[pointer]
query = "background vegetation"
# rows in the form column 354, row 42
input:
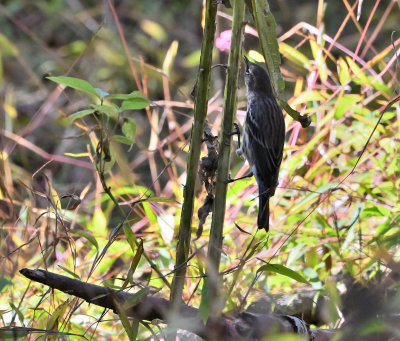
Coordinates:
column 329, row 222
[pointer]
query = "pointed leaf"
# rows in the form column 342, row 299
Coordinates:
column 136, row 298
column 134, row 95
column 73, row 274
column 80, row 114
column 76, row 83
column 108, row 110
column 135, row 103
column 88, row 236
column 129, row 128
column 122, row 139
column 283, row 270
column 57, row 315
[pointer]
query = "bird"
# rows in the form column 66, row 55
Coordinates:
column 263, row 136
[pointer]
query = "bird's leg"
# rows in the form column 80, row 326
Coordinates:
column 248, row 175
column 236, row 131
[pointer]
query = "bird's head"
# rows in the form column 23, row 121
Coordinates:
column 257, row 79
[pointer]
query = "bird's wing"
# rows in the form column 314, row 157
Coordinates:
column 266, row 130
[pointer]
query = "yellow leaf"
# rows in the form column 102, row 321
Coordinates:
column 294, row 55
column 257, row 56
column 344, row 73
column 56, row 316
column 307, row 96
column 170, row 57
column 153, row 29
column 358, row 73
column 99, row 223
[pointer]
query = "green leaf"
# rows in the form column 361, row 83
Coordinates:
column 75, row 83
column 134, row 95
column 73, row 274
column 344, row 73
column 359, row 76
column 283, row 270
column 382, row 87
column 80, row 114
column 192, row 59
column 295, row 56
column 108, row 110
column 7, row 48
column 346, row 103
column 153, row 29
column 86, row 235
column 124, row 320
column 350, row 236
column 130, row 237
column 135, row 261
column 161, row 199
column 205, row 304
column 136, row 298
column 135, row 103
column 135, row 328
column 19, row 313
column 149, row 212
column 3, row 283
column 376, row 211
column 99, row 223
column 122, row 139
column 129, row 128
column 308, row 96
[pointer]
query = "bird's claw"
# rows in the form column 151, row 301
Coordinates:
column 229, row 180
column 236, row 131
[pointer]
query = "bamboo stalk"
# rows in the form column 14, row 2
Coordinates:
column 200, row 113
column 210, row 303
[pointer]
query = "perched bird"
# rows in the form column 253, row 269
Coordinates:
column 263, row 136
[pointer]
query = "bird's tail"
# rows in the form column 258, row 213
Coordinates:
column 263, row 212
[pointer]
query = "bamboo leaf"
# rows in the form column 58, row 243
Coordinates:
column 73, row 274
column 87, row 236
column 283, row 270
column 56, row 316
column 135, row 260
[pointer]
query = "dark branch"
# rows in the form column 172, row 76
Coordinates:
column 246, row 325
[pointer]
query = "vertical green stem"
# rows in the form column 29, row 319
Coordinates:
column 200, row 113
column 210, row 301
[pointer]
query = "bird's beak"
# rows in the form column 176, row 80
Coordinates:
column 247, row 63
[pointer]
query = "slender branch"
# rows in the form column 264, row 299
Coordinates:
column 200, row 113
column 210, row 303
